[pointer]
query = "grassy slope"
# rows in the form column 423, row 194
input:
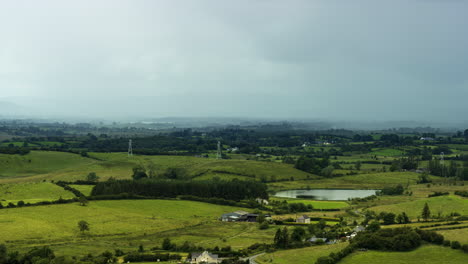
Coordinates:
column 40, row 165
column 316, row 204
column 298, row 256
column 360, row 181
column 39, row 162
column 460, row 235
column 125, row 224
column 425, row 254
column 32, row 192
column 442, row 204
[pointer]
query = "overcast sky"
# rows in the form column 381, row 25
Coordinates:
column 361, row 60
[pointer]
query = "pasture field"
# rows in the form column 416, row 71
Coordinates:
column 300, row 256
column 441, row 204
column 359, row 181
column 125, row 224
column 35, row 163
column 460, row 235
column 387, row 152
column 427, row 254
column 50, row 165
column 314, row 203
column 32, row 192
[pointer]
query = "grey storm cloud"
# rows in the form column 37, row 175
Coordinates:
column 359, row 60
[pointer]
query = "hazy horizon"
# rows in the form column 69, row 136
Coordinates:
column 372, row 61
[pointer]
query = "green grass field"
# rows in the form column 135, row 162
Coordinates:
column 40, row 162
column 460, row 235
column 389, row 152
column 299, row 256
column 32, row 192
column 359, row 181
column 425, row 254
column 441, row 204
column 316, row 204
column 39, row 165
column 125, row 224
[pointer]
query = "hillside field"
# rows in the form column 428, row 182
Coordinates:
column 428, row 254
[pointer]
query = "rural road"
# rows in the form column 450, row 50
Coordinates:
column 252, row 258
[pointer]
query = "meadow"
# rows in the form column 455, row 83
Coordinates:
column 32, row 192
column 39, row 165
column 125, row 224
column 428, row 254
column 438, row 205
column 299, row 256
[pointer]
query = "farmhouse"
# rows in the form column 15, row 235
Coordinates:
column 303, row 219
column 262, row 201
column 241, row 216
column 204, row 257
column 232, row 217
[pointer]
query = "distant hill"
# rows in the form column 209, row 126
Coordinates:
column 11, row 109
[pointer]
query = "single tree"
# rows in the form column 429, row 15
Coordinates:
column 426, row 212
column 374, row 226
column 83, row 201
column 358, row 165
column 166, row 244
column 92, row 177
column 83, row 226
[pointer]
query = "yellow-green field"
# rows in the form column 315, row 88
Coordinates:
column 316, row 204
column 125, row 224
column 299, row 256
column 425, row 254
column 32, row 192
column 460, row 235
column 39, row 165
column 441, row 204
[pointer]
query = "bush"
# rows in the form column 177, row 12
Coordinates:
column 465, row 248
column 455, row 245
column 446, row 243
column 263, row 225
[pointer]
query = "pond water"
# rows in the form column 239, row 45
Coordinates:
column 326, row 194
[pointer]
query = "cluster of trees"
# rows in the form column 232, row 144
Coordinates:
column 313, row 165
column 462, row 193
column 45, row 255
column 408, row 163
column 452, row 170
column 14, row 150
column 149, row 171
column 283, row 207
column 230, row 190
column 394, row 239
column 392, row 190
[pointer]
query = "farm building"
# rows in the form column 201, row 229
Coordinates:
column 303, row 219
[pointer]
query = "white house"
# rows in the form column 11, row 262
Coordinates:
column 303, row 219
column 204, row 257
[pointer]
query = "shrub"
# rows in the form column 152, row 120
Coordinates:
column 465, row 248
column 446, row 243
column 455, row 245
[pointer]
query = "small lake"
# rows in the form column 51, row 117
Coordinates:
column 326, row 194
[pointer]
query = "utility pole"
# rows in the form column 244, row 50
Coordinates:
column 218, row 154
column 130, row 149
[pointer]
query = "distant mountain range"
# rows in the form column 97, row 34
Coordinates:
column 9, row 109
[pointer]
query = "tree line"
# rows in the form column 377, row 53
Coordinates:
column 230, row 190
